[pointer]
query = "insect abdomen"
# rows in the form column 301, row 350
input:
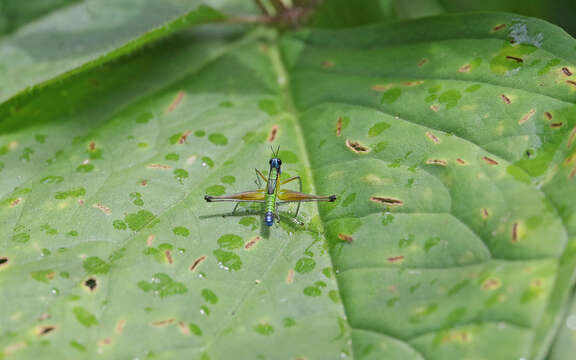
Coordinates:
column 269, row 218
column 270, row 207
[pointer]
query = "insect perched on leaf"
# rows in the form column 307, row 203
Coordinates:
column 272, row 195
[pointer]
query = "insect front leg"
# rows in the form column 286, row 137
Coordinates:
column 259, row 176
column 300, row 190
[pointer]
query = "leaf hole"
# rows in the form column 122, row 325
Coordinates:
column 357, row 147
column 514, row 58
column 489, row 161
column 91, row 284
column 387, row 201
column 45, row 330
column 197, row 262
column 436, row 162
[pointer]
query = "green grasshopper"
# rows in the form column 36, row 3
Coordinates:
column 272, row 195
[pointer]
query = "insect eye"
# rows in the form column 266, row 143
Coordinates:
column 279, row 162
column 270, row 161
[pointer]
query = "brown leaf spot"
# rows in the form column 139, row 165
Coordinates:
column 91, row 284
column 527, row 116
column 45, row 330
column 12, row 348
column 290, row 277
column 357, row 147
column 536, row 284
column 15, row 202
column 273, row 133
column 176, row 101
column 105, row 341
column 257, row 281
column 422, row 62
column 345, row 237
column 436, row 162
column 161, row 323
column 381, row 87
column 184, row 136
column 184, row 329
column 168, row 255
column 92, row 146
column 566, row 71
column 413, row 83
column 396, row 259
column 81, row 201
column 49, row 275
column 570, row 159
column 339, row 126
column 392, row 288
column 456, row 336
column 105, row 209
column 327, row 64
column 461, row 161
column 498, row 27
column 485, row 213
column 548, row 115
column 491, row 284
column 197, row 262
column 119, row 328
column 159, row 166
column 44, row 316
column 150, row 239
column 505, row 98
column 434, row 108
column 144, row 182
column 514, row 58
column 571, row 82
column 572, row 173
column 465, row 68
column 556, row 125
column 433, row 137
column 489, row 161
column 387, row 201
column 571, row 137
column 252, row 242
column 515, row 232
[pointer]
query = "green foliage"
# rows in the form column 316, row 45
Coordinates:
column 450, row 142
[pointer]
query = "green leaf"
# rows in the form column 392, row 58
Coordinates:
column 94, row 33
column 448, row 239
column 564, row 344
column 343, row 13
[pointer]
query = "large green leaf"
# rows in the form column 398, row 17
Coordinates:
column 86, row 35
column 451, row 151
column 565, row 343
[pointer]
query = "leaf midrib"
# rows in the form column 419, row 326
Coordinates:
column 279, row 67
